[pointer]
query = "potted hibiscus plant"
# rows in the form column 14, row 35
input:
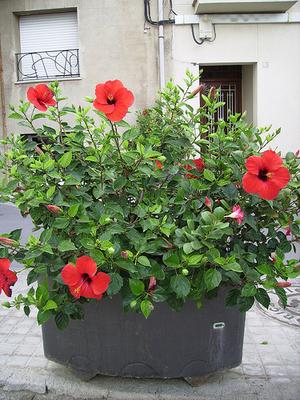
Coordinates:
column 180, row 211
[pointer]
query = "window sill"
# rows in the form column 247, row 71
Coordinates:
column 77, row 78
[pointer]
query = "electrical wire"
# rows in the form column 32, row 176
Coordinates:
column 148, row 18
column 171, row 8
column 201, row 41
column 194, row 36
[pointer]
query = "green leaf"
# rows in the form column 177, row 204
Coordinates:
column 66, row 245
column 195, row 259
column 282, row 296
column 262, row 297
column 232, row 298
column 265, row 269
column 209, row 175
column 50, row 192
column 143, row 260
column 171, row 260
column 146, row 308
column 97, row 256
column 88, row 242
column 127, row 265
column 245, row 303
column 50, row 305
column 212, row 278
column 43, row 316
column 15, row 115
column 180, row 285
column 188, row 248
column 248, row 290
column 207, row 217
column 66, row 159
column 137, row 287
column 73, row 210
column 61, row 320
column 116, row 283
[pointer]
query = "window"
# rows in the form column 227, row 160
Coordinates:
column 49, row 46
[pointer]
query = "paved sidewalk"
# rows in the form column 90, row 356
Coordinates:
column 270, row 368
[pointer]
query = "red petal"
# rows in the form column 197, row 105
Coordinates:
column 251, row 183
column 4, row 264
column 86, row 265
column 51, row 102
column 105, row 108
column 101, row 96
column 118, row 114
column 43, row 92
column 100, row 283
column 70, row 275
column 254, row 164
column 268, row 190
column 271, row 160
column 199, row 163
column 31, row 94
column 11, row 277
column 111, row 87
column 281, row 177
column 124, row 96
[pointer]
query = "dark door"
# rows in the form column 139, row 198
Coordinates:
column 228, row 79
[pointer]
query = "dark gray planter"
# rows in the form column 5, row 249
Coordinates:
column 169, row 344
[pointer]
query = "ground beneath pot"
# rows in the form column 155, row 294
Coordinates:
column 270, row 368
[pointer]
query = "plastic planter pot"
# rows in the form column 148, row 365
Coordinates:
column 169, row 344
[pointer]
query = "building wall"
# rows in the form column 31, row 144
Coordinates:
column 271, row 75
column 112, row 45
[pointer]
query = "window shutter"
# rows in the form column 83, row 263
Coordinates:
column 44, row 32
column 46, row 35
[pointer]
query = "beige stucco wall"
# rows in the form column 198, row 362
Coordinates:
column 272, row 50
column 112, row 45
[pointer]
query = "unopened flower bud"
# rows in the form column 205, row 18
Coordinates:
column 152, row 283
column 38, row 150
column 7, row 242
column 208, row 202
column 124, row 254
column 297, row 153
column 53, row 209
column 185, row 271
column 212, row 93
column 283, row 284
column 199, row 89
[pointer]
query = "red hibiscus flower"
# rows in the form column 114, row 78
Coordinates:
column 266, row 176
column 84, row 280
column 113, row 99
column 7, row 277
column 41, row 97
column 199, row 166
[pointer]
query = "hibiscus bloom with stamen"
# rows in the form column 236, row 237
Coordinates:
column 41, row 96
column 266, row 175
column 113, row 99
column 83, row 279
column 7, row 277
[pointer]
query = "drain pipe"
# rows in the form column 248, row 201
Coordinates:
column 161, row 44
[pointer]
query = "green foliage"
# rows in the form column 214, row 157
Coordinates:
column 137, row 220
